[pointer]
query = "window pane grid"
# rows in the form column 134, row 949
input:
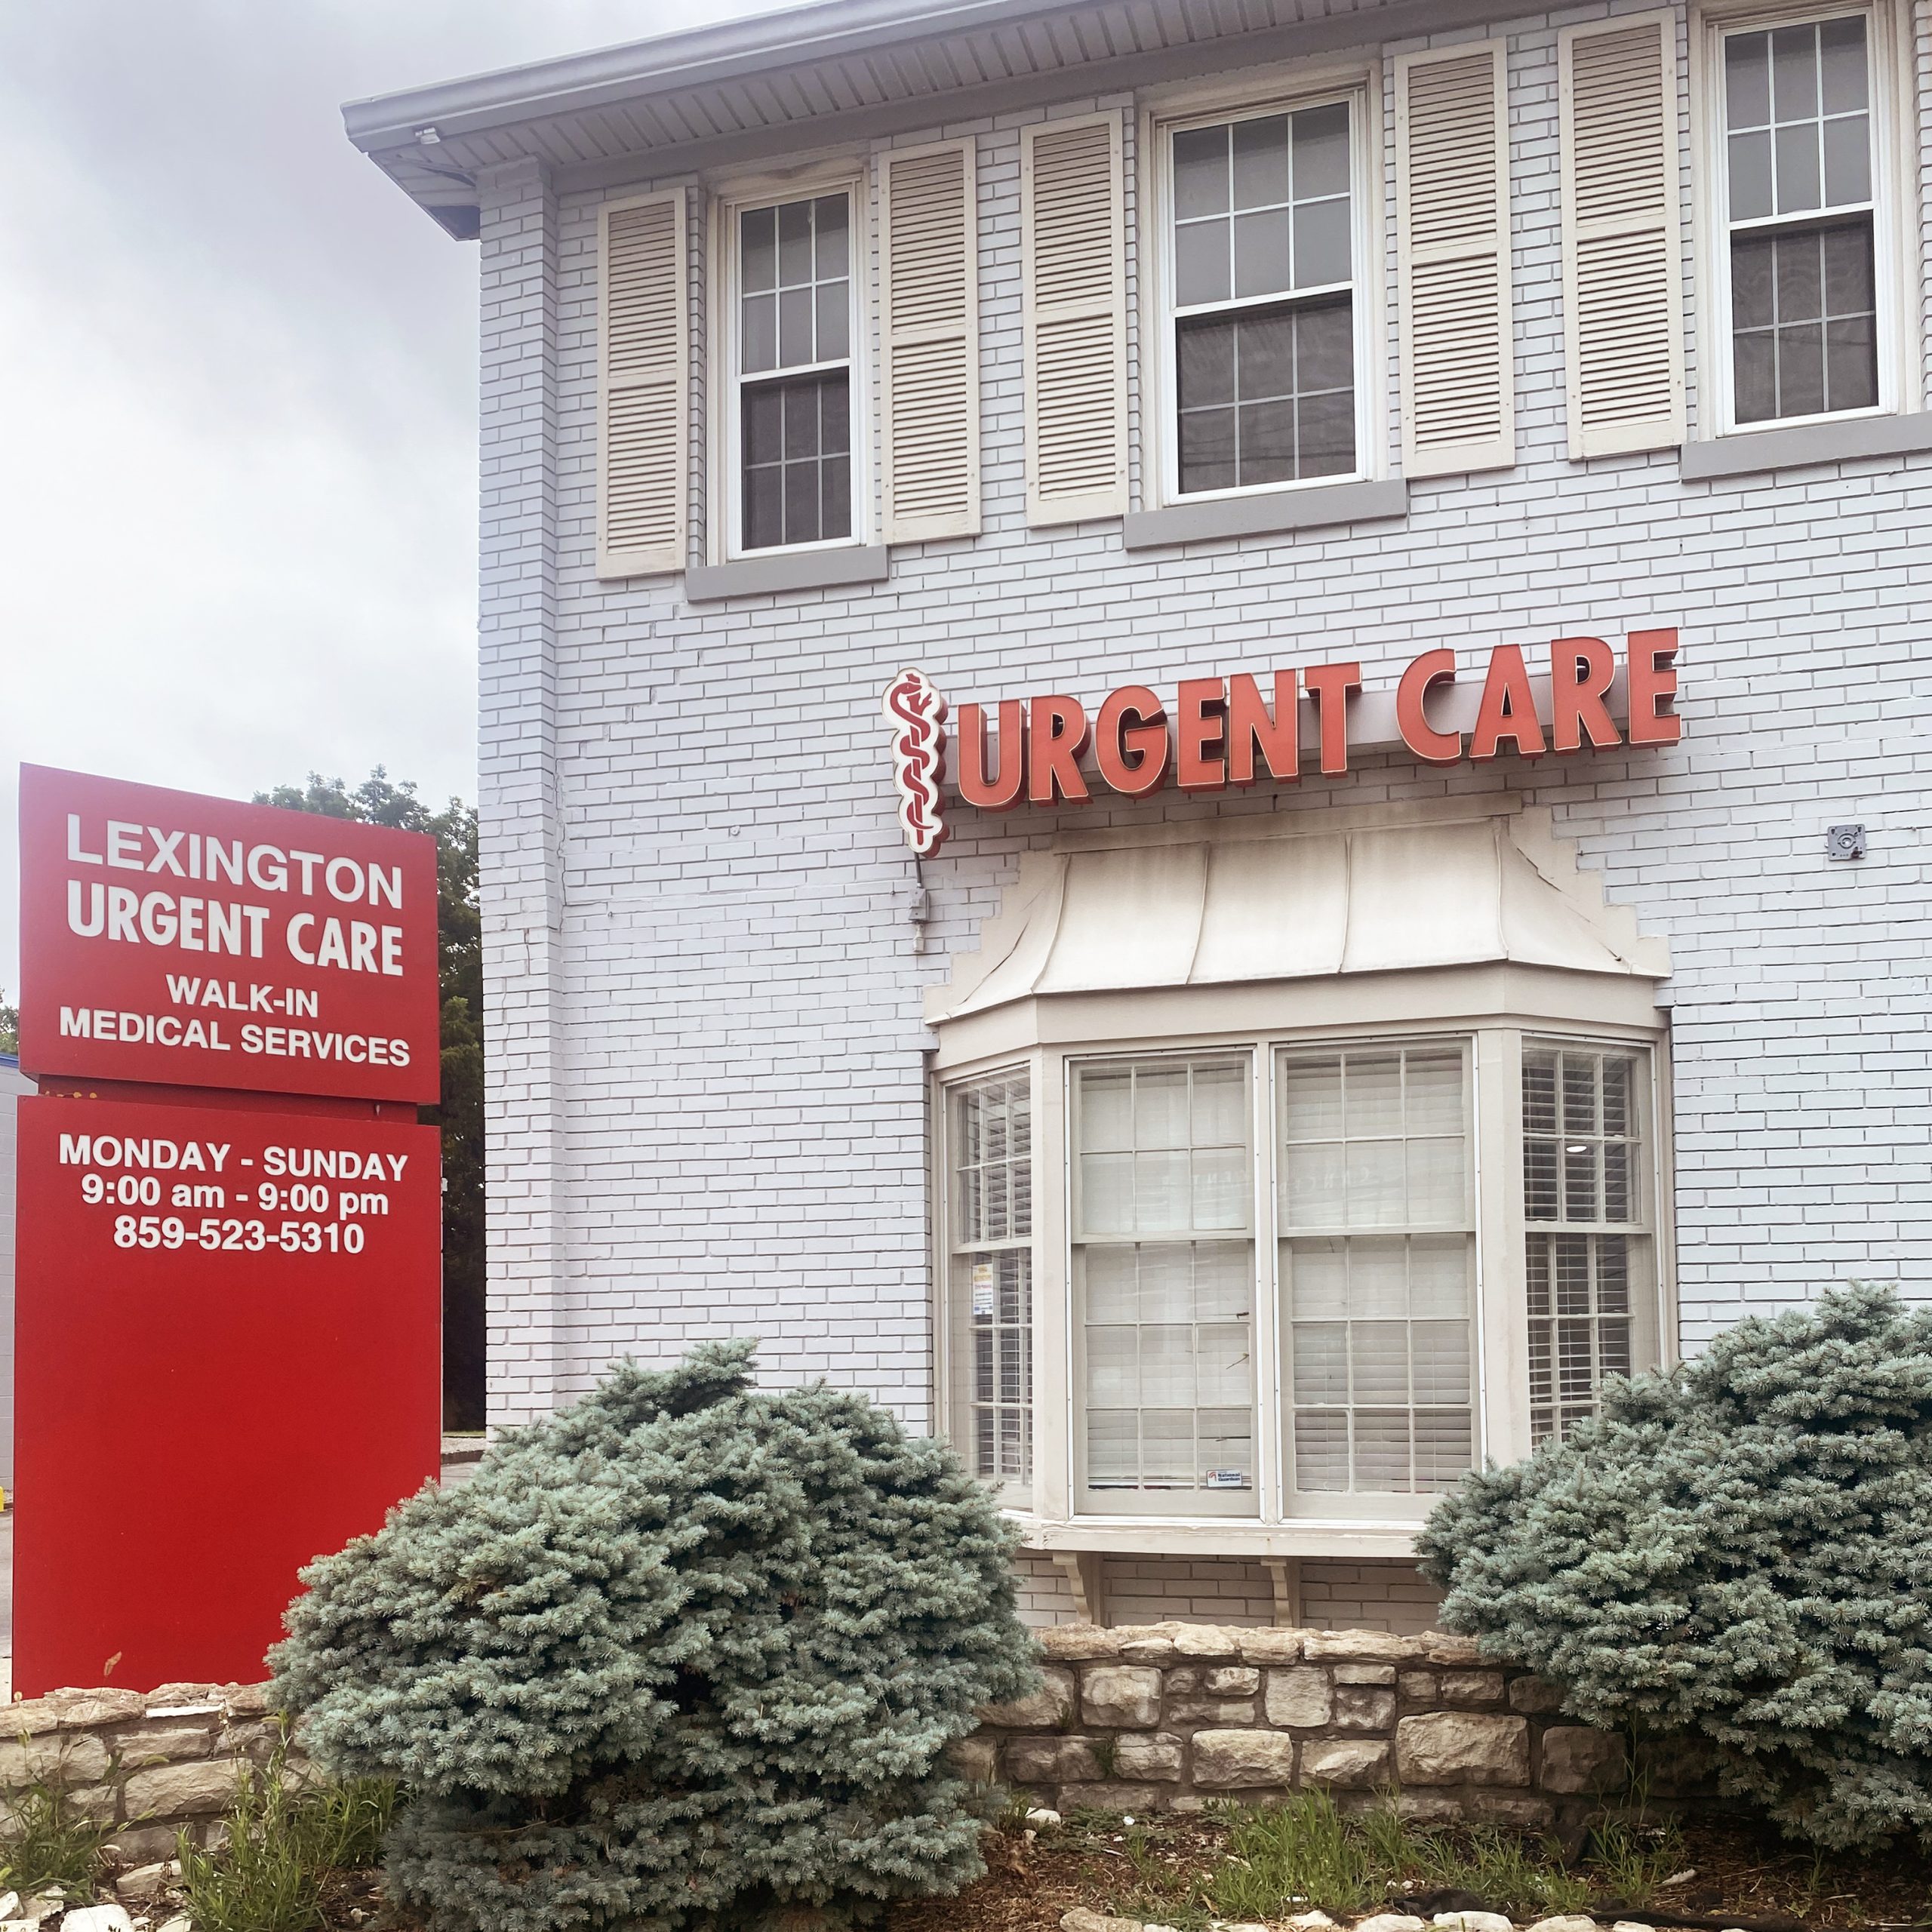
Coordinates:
column 794, row 313
column 1798, row 155
column 993, row 1271
column 1165, row 1266
column 1582, row 1194
column 1379, row 1337
column 1262, row 215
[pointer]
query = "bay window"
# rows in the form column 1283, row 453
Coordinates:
column 1269, row 1290
column 1803, row 205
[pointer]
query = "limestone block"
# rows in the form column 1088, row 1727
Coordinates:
column 1228, row 1760
column 1459, row 1747
column 1051, row 1705
column 1575, row 1758
column 1271, row 1646
column 1300, row 1697
column 1533, row 1696
column 153, row 1743
column 1568, row 1921
column 975, row 1758
column 1237, row 1711
column 1522, row 1813
column 1121, row 1694
column 1392, row 1922
column 1356, row 1646
column 1050, row 1760
column 1419, row 1687
column 99, row 1919
column 1135, row 1800
column 144, row 1881
column 1381, row 1674
column 1429, row 1808
column 1080, row 1920
column 1230, row 1680
column 1472, row 1689
column 179, row 1791
column 245, row 1700
column 1158, row 1756
column 79, row 1758
column 1473, row 1921
column 1077, row 1643
column 1439, row 1647
column 1206, row 1641
column 1362, row 1707
column 1139, row 1649
column 1353, row 1764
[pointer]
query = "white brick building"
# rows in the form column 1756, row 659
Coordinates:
column 1218, row 338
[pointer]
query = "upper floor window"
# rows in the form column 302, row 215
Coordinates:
column 1260, row 335
column 1801, row 184
column 793, row 381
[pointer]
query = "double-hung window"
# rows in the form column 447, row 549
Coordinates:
column 1802, row 189
column 1587, row 1259
column 792, row 376
column 991, row 1225
column 1260, row 278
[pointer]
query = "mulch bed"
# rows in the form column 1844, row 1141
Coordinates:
column 1743, row 1873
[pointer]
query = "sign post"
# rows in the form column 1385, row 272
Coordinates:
column 228, row 1307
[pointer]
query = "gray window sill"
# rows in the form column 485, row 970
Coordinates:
column 1266, row 516
column 1749, row 452
column 797, row 570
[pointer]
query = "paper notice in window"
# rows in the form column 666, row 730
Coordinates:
column 983, row 1286
column 1225, row 1479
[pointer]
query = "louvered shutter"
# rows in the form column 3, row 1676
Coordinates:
column 1622, row 287
column 1452, row 221
column 643, row 410
column 929, row 271
column 1074, row 254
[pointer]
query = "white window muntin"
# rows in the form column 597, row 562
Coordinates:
column 1884, row 206
column 728, row 466
column 1362, row 285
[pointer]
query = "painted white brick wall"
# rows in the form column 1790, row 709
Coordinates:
column 708, row 1113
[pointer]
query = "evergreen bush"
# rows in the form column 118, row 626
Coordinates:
column 686, row 1654
column 1740, row 1550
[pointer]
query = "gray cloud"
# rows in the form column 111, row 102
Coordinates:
column 238, row 504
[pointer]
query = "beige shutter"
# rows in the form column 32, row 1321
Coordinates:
column 1073, row 251
column 929, row 271
column 643, row 405
column 1623, row 288
column 1452, row 177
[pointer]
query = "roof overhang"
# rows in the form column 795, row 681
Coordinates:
column 835, row 71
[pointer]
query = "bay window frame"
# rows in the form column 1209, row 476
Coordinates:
column 1894, row 201
column 1178, row 110
column 1494, row 1046
column 725, row 466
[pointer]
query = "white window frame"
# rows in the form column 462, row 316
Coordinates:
column 854, row 180
column 1894, row 202
column 1360, row 90
column 1494, row 1046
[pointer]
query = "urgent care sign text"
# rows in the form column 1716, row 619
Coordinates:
column 197, row 942
column 1214, row 733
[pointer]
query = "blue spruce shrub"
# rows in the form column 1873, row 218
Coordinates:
column 1740, row 1550
column 685, row 1655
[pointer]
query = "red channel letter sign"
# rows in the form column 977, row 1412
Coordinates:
column 198, row 943
column 228, row 1349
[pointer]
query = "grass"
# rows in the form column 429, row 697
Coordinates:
column 47, row 1841
column 1305, row 1853
column 283, row 1842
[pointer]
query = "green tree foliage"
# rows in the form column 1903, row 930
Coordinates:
column 459, row 939
column 685, row 1654
column 1740, row 1550
column 10, row 1027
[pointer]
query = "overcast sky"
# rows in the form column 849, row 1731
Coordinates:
column 238, row 503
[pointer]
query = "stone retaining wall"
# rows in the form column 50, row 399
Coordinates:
column 149, row 1764
column 1168, row 1716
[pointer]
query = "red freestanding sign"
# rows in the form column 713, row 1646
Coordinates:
column 228, row 1361
column 193, row 942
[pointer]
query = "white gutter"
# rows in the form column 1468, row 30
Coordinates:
column 672, row 62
